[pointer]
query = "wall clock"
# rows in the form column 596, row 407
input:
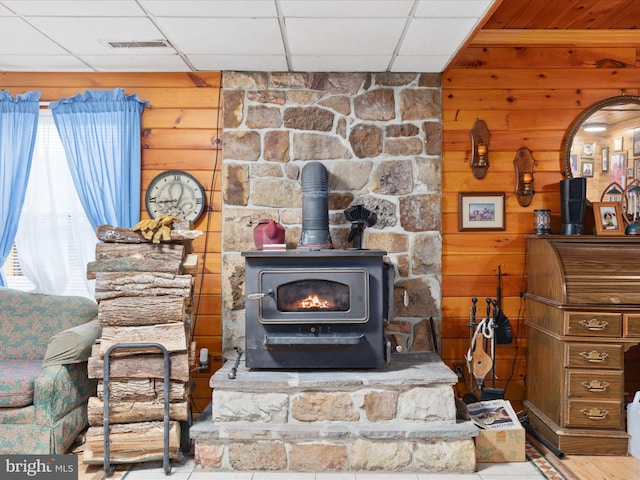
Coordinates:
column 175, row 192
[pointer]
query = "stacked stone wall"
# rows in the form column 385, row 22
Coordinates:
column 379, row 136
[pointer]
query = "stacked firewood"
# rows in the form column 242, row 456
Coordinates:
column 144, row 289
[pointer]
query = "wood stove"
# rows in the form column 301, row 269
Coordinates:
column 317, row 308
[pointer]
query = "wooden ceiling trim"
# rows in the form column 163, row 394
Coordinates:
column 583, row 38
column 547, row 57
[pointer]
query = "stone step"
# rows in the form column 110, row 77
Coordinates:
column 413, row 388
column 419, row 369
column 334, row 447
column 206, row 430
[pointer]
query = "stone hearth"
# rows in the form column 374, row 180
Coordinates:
column 399, row 418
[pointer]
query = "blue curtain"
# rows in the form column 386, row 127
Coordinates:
column 100, row 132
column 18, row 126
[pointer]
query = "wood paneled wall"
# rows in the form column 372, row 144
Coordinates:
column 528, row 97
column 179, row 131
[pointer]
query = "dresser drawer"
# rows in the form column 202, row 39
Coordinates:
column 593, row 414
column 593, row 324
column 595, row 384
column 593, row 355
column 632, row 325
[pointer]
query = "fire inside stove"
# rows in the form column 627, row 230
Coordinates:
column 313, row 296
column 314, row 303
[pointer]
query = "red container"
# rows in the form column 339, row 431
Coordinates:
column 268, row 232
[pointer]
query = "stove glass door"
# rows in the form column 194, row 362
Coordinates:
column 313, row 296
column 318, row 295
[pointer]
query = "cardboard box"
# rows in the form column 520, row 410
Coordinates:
column 495, row 446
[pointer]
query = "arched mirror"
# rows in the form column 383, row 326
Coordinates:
column 603, row 144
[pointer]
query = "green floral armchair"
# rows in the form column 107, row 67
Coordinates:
column 45, row 341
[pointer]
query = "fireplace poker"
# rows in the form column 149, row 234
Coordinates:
column 234, row 369
column 472, row 326
column 433, row 334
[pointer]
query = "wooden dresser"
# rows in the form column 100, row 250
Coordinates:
column 583, row 315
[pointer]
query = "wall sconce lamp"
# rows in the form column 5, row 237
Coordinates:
column 523, row 164
column 479, row 149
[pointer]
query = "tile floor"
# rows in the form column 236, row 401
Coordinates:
column 188, row 471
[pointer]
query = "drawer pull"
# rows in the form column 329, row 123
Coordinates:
column 594, row 356
column 594, row 324
column 594, row 413
column 595, row 386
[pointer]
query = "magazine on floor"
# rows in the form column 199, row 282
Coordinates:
column 494, row 414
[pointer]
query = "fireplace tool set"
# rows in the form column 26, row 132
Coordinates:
column 493, row 329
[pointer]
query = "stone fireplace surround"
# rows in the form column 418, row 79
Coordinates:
column 379, row 136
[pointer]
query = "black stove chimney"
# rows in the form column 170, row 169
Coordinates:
column 315, row 208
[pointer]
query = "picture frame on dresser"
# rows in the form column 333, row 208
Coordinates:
column 608, row 218
column 481, row 211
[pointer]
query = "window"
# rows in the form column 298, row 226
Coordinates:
column 55, row 240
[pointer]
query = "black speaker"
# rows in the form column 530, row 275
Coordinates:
column 573, row 198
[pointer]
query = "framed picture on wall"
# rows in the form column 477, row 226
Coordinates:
column 604, row 154
column 481, row 211
column 618, row 143
column 587, row 149
column 636, row 141
column 617, row 167
column 636, row 168
column 586, row 168
column 608, row 218
column 574, row 165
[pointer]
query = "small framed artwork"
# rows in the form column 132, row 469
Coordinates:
column 636, row 168
column 586, row 168
column 617, row 167
column 587, row 149
column 636, row 141
column 481, row 211
column 608, row 218
column 618, row 143
column 604, row 154
column 574, row 165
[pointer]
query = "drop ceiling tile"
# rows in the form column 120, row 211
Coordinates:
column 452, row 8
column 441, row 36
column 347, row 37
column 207, row 8
column 62, row 8
column 217, row 36
column 137, row 63
column 17, row 37
column 420, row 63
column 5, row 12
column 346, row 8
column 89, row 35
column 259, row 63
column 340, row 63
column 41, row 63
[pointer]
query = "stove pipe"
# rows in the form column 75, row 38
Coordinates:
column 315, row 208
